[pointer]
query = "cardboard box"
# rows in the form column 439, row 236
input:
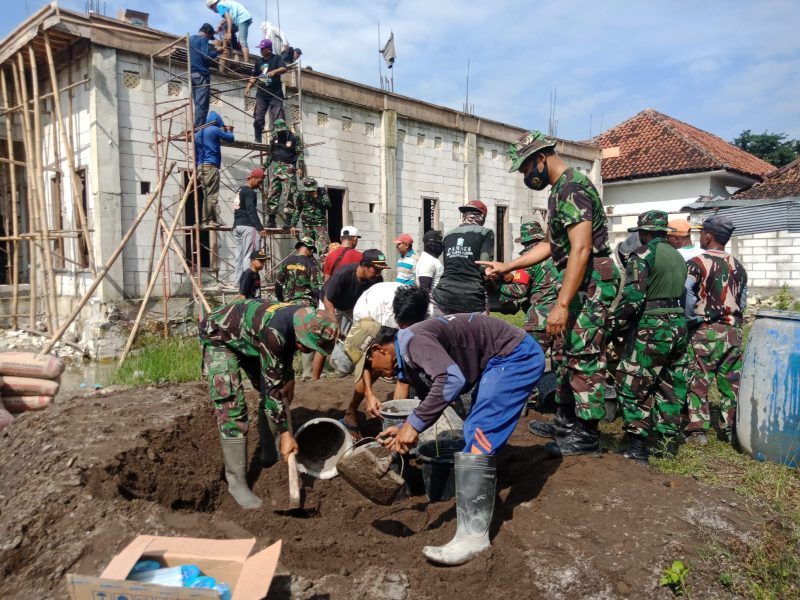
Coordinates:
column 228, row 561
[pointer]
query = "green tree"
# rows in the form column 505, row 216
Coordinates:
column 774, row 148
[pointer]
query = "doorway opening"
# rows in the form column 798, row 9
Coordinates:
column 190, row 219
column 336, row 213
column 430, row 214
column 501, row 226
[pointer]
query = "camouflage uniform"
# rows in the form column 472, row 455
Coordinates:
column 313, row 209
column 284, row 158
column 260, row 338
column 533, row 289
column 299, row 278
column 716, row 291
column 582, row 373
column 654, row 369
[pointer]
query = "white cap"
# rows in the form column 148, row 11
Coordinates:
column 350, row 231
column 210, row 3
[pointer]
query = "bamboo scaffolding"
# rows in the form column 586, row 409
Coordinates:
column 11, row 109
column 14, row 225
column 104, row 271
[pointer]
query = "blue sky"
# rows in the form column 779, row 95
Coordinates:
column 722, row 66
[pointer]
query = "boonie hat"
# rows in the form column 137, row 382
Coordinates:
column 315, row 329
column 349, row 231
column 474, row 206
column 375, row 258
column 306, row 241
column 526, row 146
column 309, row 184
column 680, row 227
column 404, row 238
column 257, row 172
column 530, row 232
column 652, row 220
column 351, row 356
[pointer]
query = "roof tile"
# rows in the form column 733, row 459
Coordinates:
column 781, row 183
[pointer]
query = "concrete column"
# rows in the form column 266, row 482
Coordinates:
column 471, row 184
column 390, row 203
column 104, row 172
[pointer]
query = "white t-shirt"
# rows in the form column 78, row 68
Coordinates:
column 376, row 302
column 429, row 266
column 689, row 252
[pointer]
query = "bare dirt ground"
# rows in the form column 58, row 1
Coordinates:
column 79, row 481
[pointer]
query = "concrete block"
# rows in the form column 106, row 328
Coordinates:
column 780, row 258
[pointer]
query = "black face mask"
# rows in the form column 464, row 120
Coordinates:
column 538, row 180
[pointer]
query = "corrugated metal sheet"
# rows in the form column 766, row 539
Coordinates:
column 752, row 216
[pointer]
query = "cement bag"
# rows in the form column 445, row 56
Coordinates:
column 19, row 404
column 28, row 364
column 27, row 386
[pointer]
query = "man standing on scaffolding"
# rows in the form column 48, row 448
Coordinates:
column 284, row 163
column 235, row 18
column 200, row 56
column 269, row 90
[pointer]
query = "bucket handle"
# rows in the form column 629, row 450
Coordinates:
column 394, row 454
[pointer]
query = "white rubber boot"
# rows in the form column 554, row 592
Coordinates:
column 234, row 452
column 476, row 480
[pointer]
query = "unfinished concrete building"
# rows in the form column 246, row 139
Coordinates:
column 79, row 167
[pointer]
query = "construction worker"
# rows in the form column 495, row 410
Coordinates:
column 406, row 259
column 261, row 339
column 236, row 21
column 312, row 206
column 284, row 163
column 429, row 269
column 680, row 238
column 299, row 278
column 200, row 55
column 588, row 282
column 344, row 254
column 462, row 287
column 208, row 157
column 653, row 373
column 716, row 297
column 266, row 77
column 247, row 225
column 449, row 355
column 250, row 282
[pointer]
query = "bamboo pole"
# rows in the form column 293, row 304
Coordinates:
column 8, row 110
column 65, row 141
column 198, row 290
column 22, row 98
column 104, row 271
column 44, row 221
column 14, row 226
column 154, row 276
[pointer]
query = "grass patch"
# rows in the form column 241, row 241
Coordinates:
column 161, row 360
column 517, row 320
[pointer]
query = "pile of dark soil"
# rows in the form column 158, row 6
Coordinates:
column 79, row 481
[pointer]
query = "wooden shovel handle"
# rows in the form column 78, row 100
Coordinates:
column 294, row 482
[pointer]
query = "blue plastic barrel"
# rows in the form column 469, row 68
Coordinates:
column 768, row 415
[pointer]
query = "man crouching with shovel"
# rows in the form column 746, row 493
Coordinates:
column 260, row 338
column 448, row 356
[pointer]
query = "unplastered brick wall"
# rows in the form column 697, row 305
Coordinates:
column 771, row 259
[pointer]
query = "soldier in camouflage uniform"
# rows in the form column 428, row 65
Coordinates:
column 283, row 164
column 299, row 278
column 588, row 281
column 312, row 205
column 261, row 339
column 654, row 370
column 716, row 296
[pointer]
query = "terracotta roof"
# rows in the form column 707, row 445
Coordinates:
column 651, row 144
column 781, row 183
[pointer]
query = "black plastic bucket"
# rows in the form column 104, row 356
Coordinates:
column 436, row 459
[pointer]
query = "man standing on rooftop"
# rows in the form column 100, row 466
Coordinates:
column 233, row 14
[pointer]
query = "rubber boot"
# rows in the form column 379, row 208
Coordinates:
column 271, row 223
column 561, row 426
column 257, row 137
column 234, row 452
column 637, row 448
column 476, row 479
column 583, row 439
column 267, row 451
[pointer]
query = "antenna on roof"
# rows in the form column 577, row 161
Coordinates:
column 552, row 125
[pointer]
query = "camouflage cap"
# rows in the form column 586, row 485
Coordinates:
column 306, row 241
column 652, row 220
column 309, row 185
column 352, row 355
column 526, row 146
column 279, row 124
column 315, row 329
column 530, row 232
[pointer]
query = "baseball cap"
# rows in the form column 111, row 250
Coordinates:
column 680, row 227
column 211, row 3
column 530, row 232
column 266, row 43
column 526, row 146
column 719, row 226
column 350, row 231
column 405, row 238
column 257, row 172
column 351, row 356
column 258, row 255
column 306, row 241
column 375, row 258
column 652, row 220
column 298, row 50
column 474, row 205
column 315, row 329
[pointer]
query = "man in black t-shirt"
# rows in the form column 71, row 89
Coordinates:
column 246, row 222
column 250, row 281
column 462, row 288
column 269, row 91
